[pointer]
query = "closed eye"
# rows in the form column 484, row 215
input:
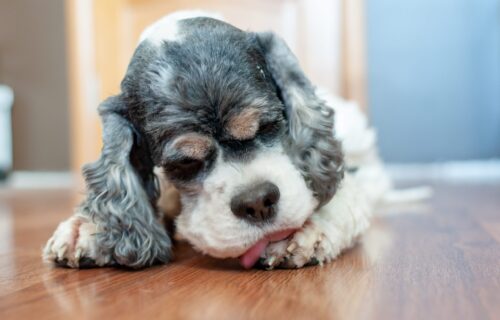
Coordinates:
column 184, row 168
column 269, row 129
column 236, row 144
column 265, row 133
column 188, row 162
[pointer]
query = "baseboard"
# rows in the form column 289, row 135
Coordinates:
column 487, row 171
column 39, row 180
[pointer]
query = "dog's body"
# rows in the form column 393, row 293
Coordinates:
column 244, row 149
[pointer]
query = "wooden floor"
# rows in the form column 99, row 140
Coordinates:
column 439, row 260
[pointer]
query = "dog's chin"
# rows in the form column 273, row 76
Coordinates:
column 248, row 246
column 248, row 253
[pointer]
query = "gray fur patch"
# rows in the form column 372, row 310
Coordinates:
column 117, row 199
column 311, row 143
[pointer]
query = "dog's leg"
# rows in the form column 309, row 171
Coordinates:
column 83, row 241
column 332, row 229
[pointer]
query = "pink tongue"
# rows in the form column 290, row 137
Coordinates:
column 250, row 257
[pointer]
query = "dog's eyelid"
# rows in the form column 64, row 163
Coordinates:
column 190, row 145
column 269, row 125
column 243, row 125
column 183, row 161
column 177, row 162
column 231, row 140
column 188, row 160
column 175, row 157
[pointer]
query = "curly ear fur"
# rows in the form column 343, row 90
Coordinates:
column 121, row 194
column 311, row 143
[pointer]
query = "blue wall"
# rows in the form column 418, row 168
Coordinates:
column 434, row 78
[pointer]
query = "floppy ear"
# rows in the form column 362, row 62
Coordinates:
column 122, row 193
column 311, row 143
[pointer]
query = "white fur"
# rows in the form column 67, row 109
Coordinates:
column 166, row 28
column 212, row 228
column 208, row 223
column 330, row 230
column 73, row 239
column 359, row 143
column 337, row 225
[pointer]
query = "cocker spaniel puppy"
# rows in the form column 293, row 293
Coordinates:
column 227, row 122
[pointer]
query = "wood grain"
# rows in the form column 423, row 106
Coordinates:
column 438, row 260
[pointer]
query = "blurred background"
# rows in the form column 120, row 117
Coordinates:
column 427, row 72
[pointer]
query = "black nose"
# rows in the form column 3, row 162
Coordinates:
column 257, row 203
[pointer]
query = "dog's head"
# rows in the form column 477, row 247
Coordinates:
column 235, row 126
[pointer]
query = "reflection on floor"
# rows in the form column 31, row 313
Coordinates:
column 436, row 260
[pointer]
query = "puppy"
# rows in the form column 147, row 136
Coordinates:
column 226, row 121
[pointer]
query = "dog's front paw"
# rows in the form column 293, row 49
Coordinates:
column 74, row 245
column 310, row 245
